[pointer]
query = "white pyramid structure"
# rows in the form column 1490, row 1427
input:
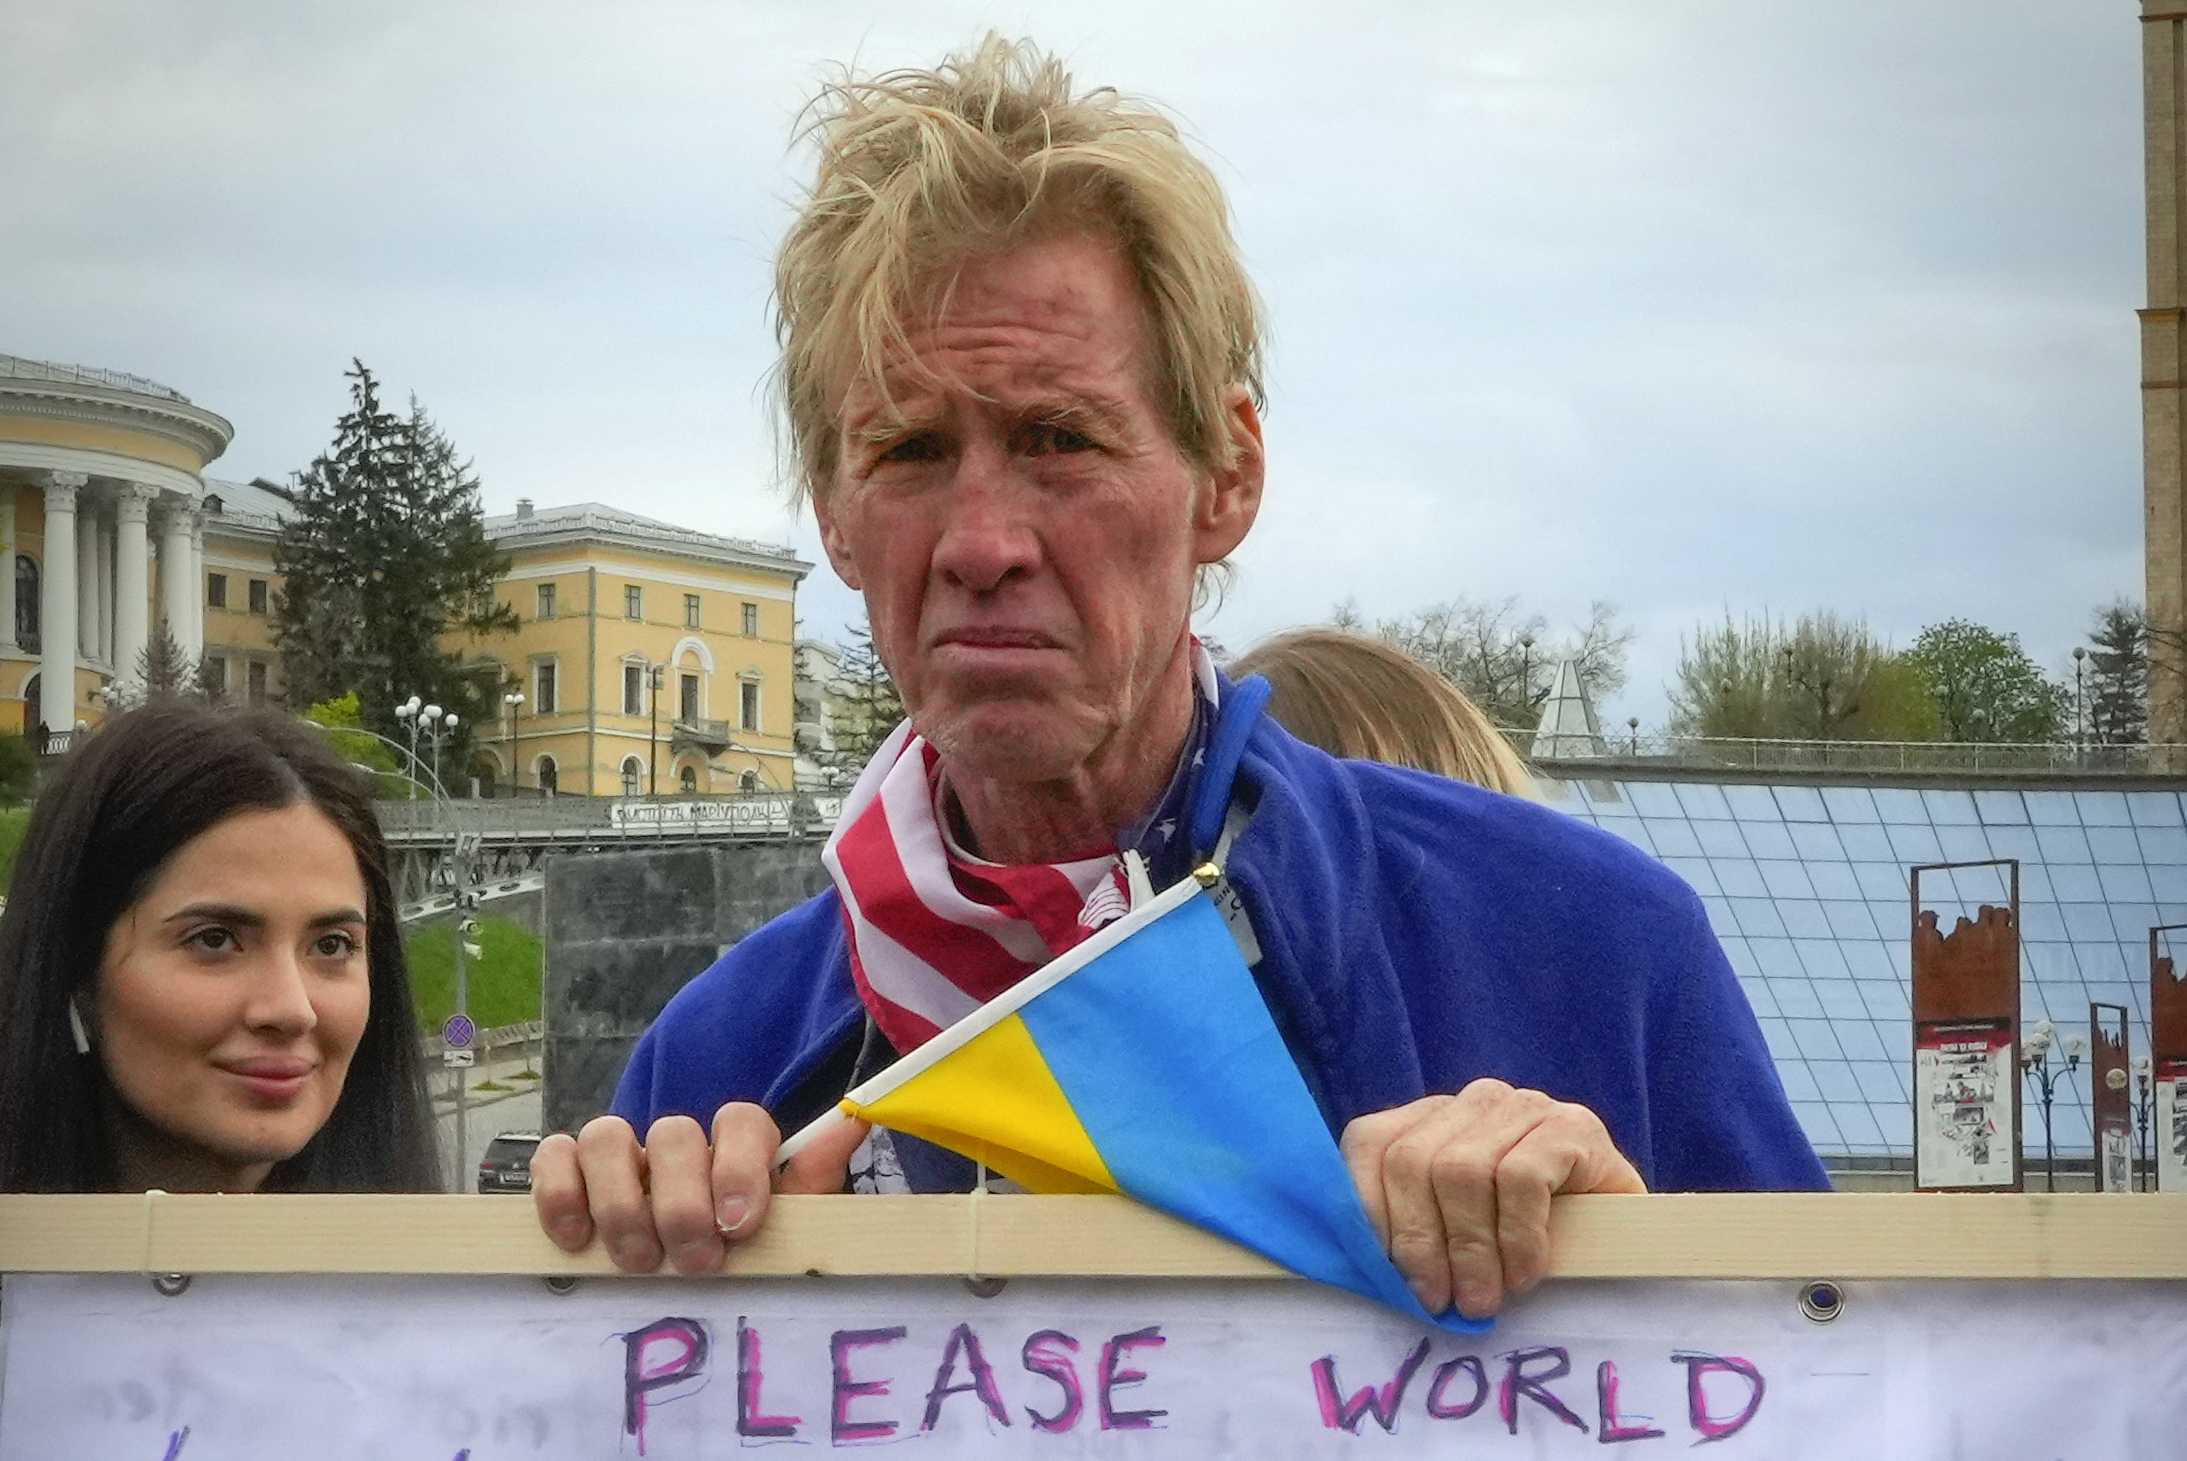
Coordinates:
column 1568, row 729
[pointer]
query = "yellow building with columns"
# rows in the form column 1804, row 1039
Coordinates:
column 649, row 658
column 101, row 514
column 652, row 659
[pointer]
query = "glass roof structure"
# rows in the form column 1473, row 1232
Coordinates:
column 1806, row 884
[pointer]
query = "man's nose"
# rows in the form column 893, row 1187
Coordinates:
column 990, row 535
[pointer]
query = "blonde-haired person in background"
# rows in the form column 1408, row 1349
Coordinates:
column 1365, row 700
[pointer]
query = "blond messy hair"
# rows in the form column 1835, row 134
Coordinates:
column 923, row 172
column 1368, row 701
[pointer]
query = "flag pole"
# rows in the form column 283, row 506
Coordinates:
column 1001, row 1007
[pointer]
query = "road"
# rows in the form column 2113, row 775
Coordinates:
column 488, row 1113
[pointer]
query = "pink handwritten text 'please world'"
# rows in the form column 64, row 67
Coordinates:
column 882, row 1386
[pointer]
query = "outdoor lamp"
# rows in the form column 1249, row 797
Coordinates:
column 451, row 721
column 430, row 714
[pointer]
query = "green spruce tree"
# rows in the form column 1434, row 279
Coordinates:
column 2115, row 690
column 385, row 554
column 867, row 707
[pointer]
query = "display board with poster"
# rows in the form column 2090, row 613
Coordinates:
column 1966, row 1013
column 2171, row 1126
column 1964, row 1081
column 2168, row 1062
column 2111, row 1096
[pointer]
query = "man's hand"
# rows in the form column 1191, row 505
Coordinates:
column 1459, row 1186
column 677, row 1195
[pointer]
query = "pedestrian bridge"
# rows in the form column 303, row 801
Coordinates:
column 438, row 844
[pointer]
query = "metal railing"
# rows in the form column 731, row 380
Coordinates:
column 594, row 818
column 1716, row 753
column 18, row 368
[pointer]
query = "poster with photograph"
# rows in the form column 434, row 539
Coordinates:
column 2171, row 1126
column 1966, row 1129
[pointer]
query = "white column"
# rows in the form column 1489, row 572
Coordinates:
column 103, row 551
column 176, row 599
column 9, row 547
column 87, row 575
column 57, row 608
column 132, row 579
column 193, row 646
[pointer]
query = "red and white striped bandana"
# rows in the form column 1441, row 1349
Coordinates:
column 934, row 931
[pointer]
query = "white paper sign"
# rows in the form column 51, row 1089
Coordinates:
column 1963, row 1114
column 252, row 1369
column 2171, row 1134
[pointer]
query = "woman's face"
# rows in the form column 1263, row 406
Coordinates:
column 232, row 995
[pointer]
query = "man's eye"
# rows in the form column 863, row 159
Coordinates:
column 922, row 447
column 1054, row 439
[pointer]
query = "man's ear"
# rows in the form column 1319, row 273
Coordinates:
column 832, row 541
column 1233, row 497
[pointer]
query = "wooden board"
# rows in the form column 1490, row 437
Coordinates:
column 1730, row 1236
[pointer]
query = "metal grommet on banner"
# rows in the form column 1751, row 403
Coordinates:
column 1822, row 1300
column 560, row 1283
column 171, row 1285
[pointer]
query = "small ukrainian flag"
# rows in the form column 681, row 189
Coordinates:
column 1144, row 1061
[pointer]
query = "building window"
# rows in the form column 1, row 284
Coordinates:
column 690, row 611
column 216, row 590
column 633, row 775
column 633, row 689
column 543, row 702
column 751, row 621
column 633, row 601
column 216, row 677
column 258, row 596
column 748, row 706
column 687, row 699
column 689, row 777
column 549, row 778
column 546, row 601
column 257, row 682
column 26, row 602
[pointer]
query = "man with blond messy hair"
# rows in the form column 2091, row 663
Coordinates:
column 1021, row 367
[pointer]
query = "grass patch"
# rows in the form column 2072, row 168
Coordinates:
column 503, row 981
column 492, row 1086
column 14, row 821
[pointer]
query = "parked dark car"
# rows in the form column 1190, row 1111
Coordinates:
column 507, row 1165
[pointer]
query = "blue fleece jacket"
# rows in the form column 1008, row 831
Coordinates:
column 1415, row 933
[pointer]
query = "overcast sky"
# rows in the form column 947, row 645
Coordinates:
column 1692, row 305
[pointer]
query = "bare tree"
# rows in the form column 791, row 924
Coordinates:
column 1820, row 678
column 1504, row 658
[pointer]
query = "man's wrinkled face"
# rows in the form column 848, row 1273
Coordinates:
column 1024, row 527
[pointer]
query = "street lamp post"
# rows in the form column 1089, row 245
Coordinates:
column 1526, row 670
column 2080, row 721
column 1632, row 723
column 653, row 675
column 439, row 726
column 2035, row 1062
column 406, row 716
column 2144, row 1101
column 512, row 701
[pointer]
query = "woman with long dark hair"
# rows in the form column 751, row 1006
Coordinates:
column 201, row 975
